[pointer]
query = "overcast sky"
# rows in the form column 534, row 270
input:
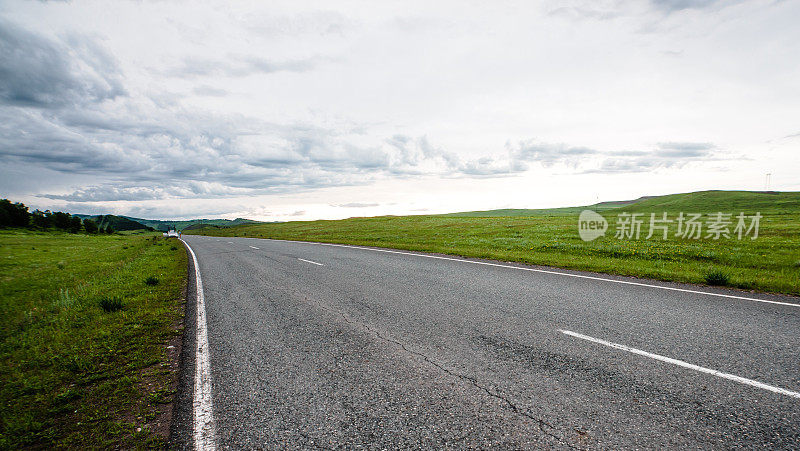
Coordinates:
column 306, row 110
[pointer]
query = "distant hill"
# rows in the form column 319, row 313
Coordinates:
column 118, row 223
column 700, row 201
column 774, row 202
column 180, row 225
column 121, row 223
column 602, row 206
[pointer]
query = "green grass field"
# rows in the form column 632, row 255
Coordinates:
column 550, row 237
column 83, row 337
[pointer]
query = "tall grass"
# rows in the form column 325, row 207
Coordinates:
column 111, row 303
column 64, row 300
column 717, row 278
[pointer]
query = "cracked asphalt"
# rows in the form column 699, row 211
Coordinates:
column 379, row 350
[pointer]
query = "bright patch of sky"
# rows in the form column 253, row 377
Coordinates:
column 337, row 109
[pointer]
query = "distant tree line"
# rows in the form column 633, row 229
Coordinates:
column 17, row 215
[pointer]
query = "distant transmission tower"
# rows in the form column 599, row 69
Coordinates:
column 768, row 181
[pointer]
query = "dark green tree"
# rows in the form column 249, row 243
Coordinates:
column 14, row 215
column 75, row 224
column 90, row 226
column 41, row 219
column 61, row 220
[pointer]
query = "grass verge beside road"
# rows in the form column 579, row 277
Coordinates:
column 84, row 326
column 550, row 237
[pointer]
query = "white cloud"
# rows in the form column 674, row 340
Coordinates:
column 238, row 106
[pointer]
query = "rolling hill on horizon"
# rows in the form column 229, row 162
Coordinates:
column 124, row 223
column 164, row 225
column 117, row 223
column 700, row 201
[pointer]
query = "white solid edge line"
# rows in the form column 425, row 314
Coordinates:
column 681, row 363
column 309, row 261
column 580, row 276
column 204, row 428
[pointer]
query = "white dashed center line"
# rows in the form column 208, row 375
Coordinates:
column 681, row 363
column 253, row 247
column 309, row 261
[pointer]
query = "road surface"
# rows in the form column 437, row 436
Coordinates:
column 326, row 346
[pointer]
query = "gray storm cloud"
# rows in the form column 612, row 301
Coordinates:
column 38, row 72
column 277, row 103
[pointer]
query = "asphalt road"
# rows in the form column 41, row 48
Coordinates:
column 320, row 346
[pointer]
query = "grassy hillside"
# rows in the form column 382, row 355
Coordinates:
column 769, row 263
column 180, row 225
column 726, row 201
column 127, row 223
column 84, row 324
column 118, row 223
column 535, row 212
column 703, row 201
